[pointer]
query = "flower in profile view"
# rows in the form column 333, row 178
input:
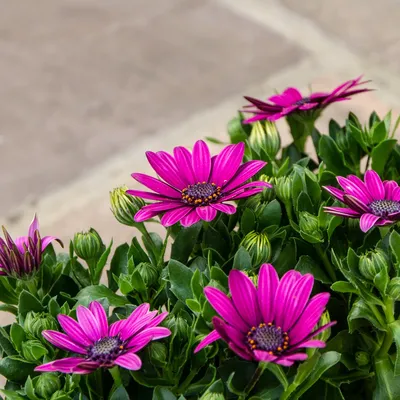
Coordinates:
column 376, row 203
column 96, row 344
column 271, row 322
column 195, row 186
column 292, row 101
column 22, row 258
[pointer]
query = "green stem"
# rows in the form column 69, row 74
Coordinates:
column 164, row 248
column 289, row 211
column 327, row 264
column 389, row 315
column 377, row 314
column 255, row 378
column 367, row 165
column 116, row 376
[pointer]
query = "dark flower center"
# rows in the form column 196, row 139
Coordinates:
column 267, row 337
column 106, row 350
column 382, row 208
column 201, row 193
column 302, row 101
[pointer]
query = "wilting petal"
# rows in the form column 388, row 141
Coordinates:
column 201, row 161
column 210, row 338
column 374, row 185
column 156, row 185
column 337, row 193
column 367, row 221
column 173, row 216
column 342, row 212
column 244, row 173
column 206, row 213
column 244, row 297
column 224, row 307
column 73, row 330
column 63, row 341
column 129, row 361
column 64, row 365
column 99, row 313
column 190, row 219
column 88, row 323
column 225, row 208
column 268, row 281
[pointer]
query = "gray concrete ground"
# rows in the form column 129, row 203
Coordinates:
column 86, row 86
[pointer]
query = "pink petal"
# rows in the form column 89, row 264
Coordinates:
column 225, row 208
column 338, row 194
column 227, row 163
column 309, row 319
column 244, row 173
column 206, row 213
column 374, row 185
column 268, row 281
column 342, row 212
column 264, row 356
column 157, row 186
column 116, row 327
column 48, row 239
column 34, row 226
column 99, row 313
column 129, row 361
column 313, row 334
column 310, row 344
column 201, row 161
column 63, row 341
column 354, row 189
column 240, row 351
column 210, row 338
column 367, row 221
column 157, row 320
column 132, row 328
column 390, row 186
column 173, row 216
column 224, row 307
column 355, row 203
column 147, row 195
column 147, row 335
column 308, row 106
column 151, row 210
column 288, row 97
column 287, row 361
column 88, row 323
column 184, row 163
column 396, row 194
column 73, row 330
column 137, row 314
column 244, row 297
column 190, row 219
column 229, row 333
column 64, row 365
column 284, row 362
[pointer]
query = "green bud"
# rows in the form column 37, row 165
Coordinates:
column 158, row 354
column 212, row 396
column 36, row 323
column 325, row 319
column 362, row 358
column 264, row 136
column 178, row 326
column 47, row 384
column 124, row 206
column 33, row 350
column 148, row 272
column 372, row 263
column 283, row 188
column 258, row 246
column 308, row 223
column 393, row 289
column 87, row 245
column 268, row 194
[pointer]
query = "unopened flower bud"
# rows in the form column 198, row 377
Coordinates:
column 212, row 396
column 265, row 137
column 33, row 350
column 47, row 384
column 308, row 223
column 148, row 272
column 258, row 246
column 283, row 188
column 87, row 245
column 372, row 263
column 158, row 354
column 178, row 326
column 124, row 206
column 325, row 319
column 393, row 288
column 36, row 323
column 362, row 358
column 268, row 194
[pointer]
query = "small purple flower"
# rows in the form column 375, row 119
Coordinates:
column 195, row 186
column 376, row 203
column 98, row 345
column 22, row 258
column 291, row 101
column 270, row 323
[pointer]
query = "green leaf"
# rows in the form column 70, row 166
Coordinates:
column 194, row 305
column 95, row 292
column 15, row 370
column 306, row 265
column 387, row 383
column 162, row 393
column 248, row 221
column 359, row 310
column 9, row 308
column 12, row 395
column 379, row 132
column 120, row 394
column 137, row 282
column 7, row 292
column 380, row 155
column 119, row 265
column 394, row 241
column 29, row 389
column 196, row 284
column 242, row 259
column 101, row 264
column 28, row 302
column 17, row 335
column 237, row 131
column 332, row 156
column 333, row 224
column 271, row 214
column 203, row 383
column 344, row 287
column 313, row 188
column 277, row 370
column 304, row 203
column 219, row 275
column 357, row 134
column 5, row 343
column 184, row 243
column 180, row 277
column 81, row 274
column 395, row 328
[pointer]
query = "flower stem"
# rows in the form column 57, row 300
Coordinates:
column 327, row 264
column 389, row 315
column 116, row 376
column 255, row 378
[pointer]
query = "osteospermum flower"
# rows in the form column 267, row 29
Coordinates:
column 291, row 101
column 194, row 186
column 22, row 258
column 373, row 201
column 98, row 345
column 270, row 323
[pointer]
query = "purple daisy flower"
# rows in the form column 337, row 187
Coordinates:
column 376, row 203
column 99, row 345
column 194, row 186
column 270, row 323
column 22, row 258
column 291, row 101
